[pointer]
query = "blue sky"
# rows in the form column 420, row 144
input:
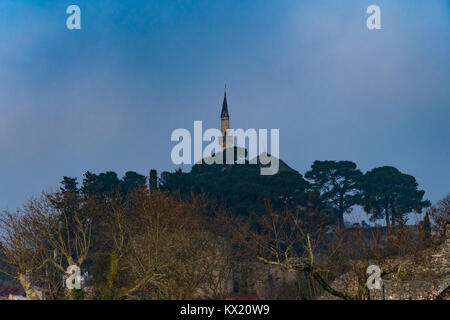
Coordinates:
column 107, row 97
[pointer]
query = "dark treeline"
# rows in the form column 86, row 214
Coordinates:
column 333, row 186
column 383, row 192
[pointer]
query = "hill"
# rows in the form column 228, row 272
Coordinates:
column 240, row 187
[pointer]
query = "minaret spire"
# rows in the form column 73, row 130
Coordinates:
column 224, row 113
column 225, row 122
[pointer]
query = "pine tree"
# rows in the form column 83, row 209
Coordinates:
column 153, row 180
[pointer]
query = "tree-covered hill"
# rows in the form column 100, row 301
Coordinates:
column 240, row 187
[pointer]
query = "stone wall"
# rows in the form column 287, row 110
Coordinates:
column 421, row 281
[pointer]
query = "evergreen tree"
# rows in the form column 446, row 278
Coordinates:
column 337, row 182
column 153, row 181
column 388, row 193
column 131, row 181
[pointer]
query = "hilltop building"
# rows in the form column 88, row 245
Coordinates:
column 226, row 141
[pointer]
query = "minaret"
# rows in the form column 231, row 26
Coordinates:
column 226, row 141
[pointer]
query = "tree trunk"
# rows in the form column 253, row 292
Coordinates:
column 27, row 287
column 341, row 211
column 113, row 275
column 386, row 212
column 341, row 219
column 76, row 294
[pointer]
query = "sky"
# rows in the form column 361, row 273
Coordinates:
column 108, row 96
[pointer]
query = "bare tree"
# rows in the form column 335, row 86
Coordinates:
column 440, row 214
column 46, row 230
column 20, row 254
column 302, row 241
column 160, row 247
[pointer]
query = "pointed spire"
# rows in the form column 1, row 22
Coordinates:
column 224, row 113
